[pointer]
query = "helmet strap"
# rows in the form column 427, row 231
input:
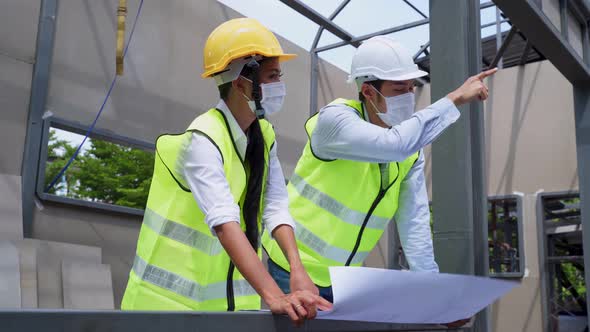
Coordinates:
column 256, row 91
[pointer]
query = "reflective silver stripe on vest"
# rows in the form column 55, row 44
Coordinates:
column 326, row 250
column 187, row 288
column 336, row 208
column 181, row 233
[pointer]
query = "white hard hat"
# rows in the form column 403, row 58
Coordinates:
column 383, row 58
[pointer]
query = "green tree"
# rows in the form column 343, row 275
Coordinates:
column 115, row 174
column 107, row 172
column 58, row 154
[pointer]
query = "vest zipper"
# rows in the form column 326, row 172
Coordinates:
column 231, row 305
column 380, row 196
column 360, row 235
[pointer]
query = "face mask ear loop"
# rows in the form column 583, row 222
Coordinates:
column 377, row 111
column 256, row 93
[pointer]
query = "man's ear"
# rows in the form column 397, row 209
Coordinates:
column 367, row 91
column 241, row 85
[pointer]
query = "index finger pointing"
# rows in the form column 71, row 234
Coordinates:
column 487, row 73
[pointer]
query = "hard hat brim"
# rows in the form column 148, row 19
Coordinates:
column 403, row 77
column 408, row 76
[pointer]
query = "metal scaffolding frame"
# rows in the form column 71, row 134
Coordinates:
column 559, row 236
column 327, row 23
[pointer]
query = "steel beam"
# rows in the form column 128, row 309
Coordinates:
column 320, row 20
column 125, row 321
column 357, row 40
column 421, row 50
column 314, row 64
column 487, row 5
column 525, row 53
column 415, row 9
column 38, row 99
column 582, row 124
column 565, row 259
column 531, row 20
column 458, row 181
column 503, row 47
column 504, row 20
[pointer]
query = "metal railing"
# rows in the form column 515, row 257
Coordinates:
column 128, row 321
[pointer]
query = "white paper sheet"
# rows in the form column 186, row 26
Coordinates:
column 390, row 296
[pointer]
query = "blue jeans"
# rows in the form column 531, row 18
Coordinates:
column 282, row 278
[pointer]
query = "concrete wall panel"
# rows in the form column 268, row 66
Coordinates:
column 115, row 234
column 15, row 90
column 18, row 29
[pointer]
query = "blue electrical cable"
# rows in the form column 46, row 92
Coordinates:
column 91, row 128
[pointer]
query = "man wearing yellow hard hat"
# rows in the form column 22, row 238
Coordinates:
column 214, row 188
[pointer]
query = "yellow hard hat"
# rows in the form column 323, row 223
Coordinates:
column 239, row 38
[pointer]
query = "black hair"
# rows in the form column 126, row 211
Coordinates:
column 376, row 84
column 255, row 165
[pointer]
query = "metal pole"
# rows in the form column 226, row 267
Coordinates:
column 39, row 91
column 496, row 62
column 314, row 66
column 582, row 120
column 543, row 247
column 563, row 18
column 387, row 31
column 494, row 23
column 459, row 191
column 586, row 43
column 499, row 36
column 415, row 9
column 313, row 86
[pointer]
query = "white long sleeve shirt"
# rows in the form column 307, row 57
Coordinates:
column 201, row 165
column 341, row 134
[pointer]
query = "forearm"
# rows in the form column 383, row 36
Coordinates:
column 285, row 237
column 413, row 220
column 247, row 261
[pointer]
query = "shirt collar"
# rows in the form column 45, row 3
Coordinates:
column 364, row 112
column 234, row 127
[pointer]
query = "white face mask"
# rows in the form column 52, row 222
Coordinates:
column 273, row 96
column 399, row 108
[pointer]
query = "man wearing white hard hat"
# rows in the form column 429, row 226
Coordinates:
column 363, row 165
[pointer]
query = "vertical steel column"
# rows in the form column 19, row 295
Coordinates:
column 459, row 190
column 313, row 84
column 39, row 91
column 582, row 119
column 563, row 18
column 582, row 116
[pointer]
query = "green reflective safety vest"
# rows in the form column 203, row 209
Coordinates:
column 341, row 207
column 179, row 264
